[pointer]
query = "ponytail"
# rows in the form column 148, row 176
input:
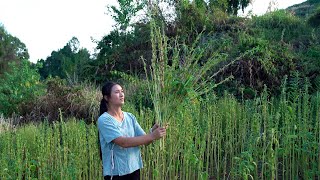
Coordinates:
column 103, row 106
column 103, row 109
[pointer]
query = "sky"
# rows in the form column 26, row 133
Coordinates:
column 47, row 25
column 259, row 7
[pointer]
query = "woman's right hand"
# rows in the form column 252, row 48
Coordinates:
column 158, row 133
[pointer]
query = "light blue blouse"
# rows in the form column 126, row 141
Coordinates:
column 117, row 160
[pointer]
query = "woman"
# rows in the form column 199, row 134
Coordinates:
column 121, row 135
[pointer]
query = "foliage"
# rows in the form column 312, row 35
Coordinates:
column 198, row 16
column 304, row 9
column 66, row 62
column 314, row 19
column 258, row 51
column 20, row 86
column 244, row 166
column 77, row 100
column 193, row 18
column 229, row 6
column 271, row 46
column 6, row 124
column 312, row 64
column 120, row 52
column 270, row 133
column 262, row 63
column 179, row 76
column 11, row 50
column 235, row 5
column 66, row 150
column 126, row 12
column 280, row 26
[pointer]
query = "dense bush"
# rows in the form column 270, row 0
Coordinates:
column 270, row 47
column 19, row 87
column 63, row 100
column 280, row 26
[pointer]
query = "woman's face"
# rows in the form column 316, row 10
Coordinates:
column 117, row 96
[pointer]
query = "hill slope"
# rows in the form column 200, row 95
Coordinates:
column 304, row 9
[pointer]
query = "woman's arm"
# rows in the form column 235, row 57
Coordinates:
column 127, row 142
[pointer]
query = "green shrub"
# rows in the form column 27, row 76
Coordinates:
column 310, row 59
column 280, row 26
column 277, row 19
column 19, row 87
column 261, row 62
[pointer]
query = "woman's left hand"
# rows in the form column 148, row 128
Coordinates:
column 155, row 126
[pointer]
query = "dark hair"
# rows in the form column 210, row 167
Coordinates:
column 106, row 91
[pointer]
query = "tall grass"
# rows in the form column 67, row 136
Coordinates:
column 178, row 72
column 266, row 138
column 63, row 150
column 6, row 123
column 211, row 138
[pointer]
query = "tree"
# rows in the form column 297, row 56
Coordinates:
column 11, row 50
column 68, row 61
column 235, row 5
column 229, row 6
column 19, row 87
column 126, row 11
column 121, row 51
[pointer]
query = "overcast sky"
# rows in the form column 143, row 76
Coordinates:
column 47, row 25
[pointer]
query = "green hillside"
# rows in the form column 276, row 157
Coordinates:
column 304, row 9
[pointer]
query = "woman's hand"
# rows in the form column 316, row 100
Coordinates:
column 155, row 126
column 158, row 133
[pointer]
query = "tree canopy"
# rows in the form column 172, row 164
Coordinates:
column 11, row 49
column 68, row 61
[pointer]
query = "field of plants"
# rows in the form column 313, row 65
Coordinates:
column 211, row 138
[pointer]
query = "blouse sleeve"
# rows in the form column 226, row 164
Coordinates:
column 138, row 131
column 108, row 129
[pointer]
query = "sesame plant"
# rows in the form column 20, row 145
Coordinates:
column 209, row 138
